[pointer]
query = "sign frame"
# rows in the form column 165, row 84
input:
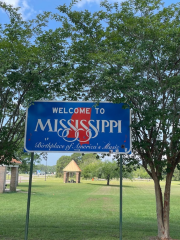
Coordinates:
column 80, row 151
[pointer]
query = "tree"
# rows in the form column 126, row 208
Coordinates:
column 109, row 170
column 33, row 66
column 26, row 162
column 90, row 170
column 105, row 169
column 42, row 167
column 176, row 175
column 25, row 158
column 89, row 165
column 129, row 52
column 62, row 162
column 141, row 173
column 87, row 159
column 77, row 157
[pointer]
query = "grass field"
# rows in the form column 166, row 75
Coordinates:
column 85, row 211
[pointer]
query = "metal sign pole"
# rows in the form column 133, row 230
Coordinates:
column 120, row 224
column 29, row 196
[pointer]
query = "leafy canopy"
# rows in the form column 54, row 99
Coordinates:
column 129, row 53
column 33, row 66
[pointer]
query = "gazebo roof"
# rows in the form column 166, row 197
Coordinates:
column 72, row 167
column 13, row 161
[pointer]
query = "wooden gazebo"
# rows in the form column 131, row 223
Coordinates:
column 72, row 167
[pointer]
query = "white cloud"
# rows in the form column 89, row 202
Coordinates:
column 25, row 9
column 83, row 2
column 15, row 3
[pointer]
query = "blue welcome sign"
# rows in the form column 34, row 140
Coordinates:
column 54, row 126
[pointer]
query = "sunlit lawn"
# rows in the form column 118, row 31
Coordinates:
column 85, row 211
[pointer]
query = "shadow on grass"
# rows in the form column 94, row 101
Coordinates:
column 113, row 185
column 33, row 186
column 69, row 227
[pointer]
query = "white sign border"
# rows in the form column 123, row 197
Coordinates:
column 130, row 150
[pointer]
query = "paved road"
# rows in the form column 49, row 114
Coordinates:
column 21, row 179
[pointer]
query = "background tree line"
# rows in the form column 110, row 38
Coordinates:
column 91, row 166
column 100, row 168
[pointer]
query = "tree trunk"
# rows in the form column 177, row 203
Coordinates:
column 162, row 208
column 108, row 181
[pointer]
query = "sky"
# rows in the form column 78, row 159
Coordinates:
column 30, row 8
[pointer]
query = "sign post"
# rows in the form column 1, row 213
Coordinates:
column 56, row 126
column 29, row 197
column 120, row 222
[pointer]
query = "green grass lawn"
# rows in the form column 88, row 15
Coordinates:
column 85, row 211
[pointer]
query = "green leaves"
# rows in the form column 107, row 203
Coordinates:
column 34, row 65
column 129, row 53
column 178, row 166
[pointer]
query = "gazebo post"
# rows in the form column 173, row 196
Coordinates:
column 65, row 178
column 2, row 178
column 17, row 177
column 77, row 177
column 13, row 182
